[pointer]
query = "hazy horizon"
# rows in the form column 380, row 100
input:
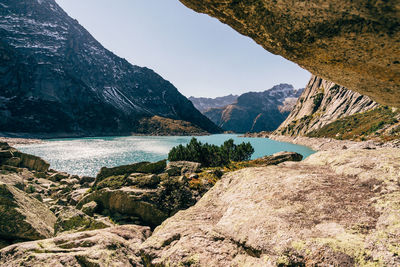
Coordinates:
column 198, row 54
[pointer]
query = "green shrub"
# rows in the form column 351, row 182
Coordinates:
column 211, row 155
column 317, row 101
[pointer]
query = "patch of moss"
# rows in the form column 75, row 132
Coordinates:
column 153, row 168
column 317, row 100
column 361, row 126
column 112, row 182
column 350, row 244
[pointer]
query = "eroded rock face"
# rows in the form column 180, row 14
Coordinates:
column 338, row 209
column 116, row 246
column 352, row 43
column 321, row 103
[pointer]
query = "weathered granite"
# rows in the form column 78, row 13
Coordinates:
column 352, row 43
column 116, row 246
column 339, row 209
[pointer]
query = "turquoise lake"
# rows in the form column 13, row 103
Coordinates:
column 85, row 156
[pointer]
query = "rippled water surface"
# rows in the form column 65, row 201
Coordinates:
column 85, row 156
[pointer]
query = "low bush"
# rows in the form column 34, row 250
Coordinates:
column 211, row 155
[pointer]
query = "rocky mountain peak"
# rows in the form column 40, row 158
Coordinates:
column 57, row 78
column 256, row 111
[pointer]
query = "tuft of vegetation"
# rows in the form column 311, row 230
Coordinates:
column 381, row 122
column 317, row 101
column 211, row 155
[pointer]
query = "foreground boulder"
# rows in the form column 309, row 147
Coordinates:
column 277, row 158
column 135, row 203
column 182, row 167
column 354, row 43
column 117, row 246
column 72, row 220
column 333, row 209
column 140, row 167
column 23, row 217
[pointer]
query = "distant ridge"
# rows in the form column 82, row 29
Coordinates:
column 203, row 103
column 256, row 111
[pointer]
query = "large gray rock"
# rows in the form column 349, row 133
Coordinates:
column 116, row 246
column 140, row 167
column 128, row 201
column 32, row 162
column 336, row 209
column 277, row 158
column 352, row 43
column 23, row 217
column 181, row 167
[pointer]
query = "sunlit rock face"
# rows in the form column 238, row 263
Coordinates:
column 321, row 103
column 352, row 43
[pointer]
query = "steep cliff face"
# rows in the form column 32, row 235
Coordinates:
column 256, row 111
column 321, row 103
column 203, row 103
column 55, row 78
column 352, row 43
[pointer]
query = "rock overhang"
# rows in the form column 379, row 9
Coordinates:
column 353, row 43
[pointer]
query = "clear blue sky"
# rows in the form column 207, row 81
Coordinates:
column 197, row 53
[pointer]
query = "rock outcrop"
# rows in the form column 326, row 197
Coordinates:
column 354, row 44
column 256, row 111
column 116, row 246
column 323, row 102
column 339, row 209
column 22, row 216
column 57, row 80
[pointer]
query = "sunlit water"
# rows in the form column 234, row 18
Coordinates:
column 85, row 156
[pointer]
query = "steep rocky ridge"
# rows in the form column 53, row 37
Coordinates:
column 203, row 103
column 322, row 102
column 256, row 111
column 56, row 79
column 352, row 43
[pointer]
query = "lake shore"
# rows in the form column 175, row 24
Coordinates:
column 20, row 141
column 323, row 144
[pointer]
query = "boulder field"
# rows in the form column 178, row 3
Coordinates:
column 338, row 207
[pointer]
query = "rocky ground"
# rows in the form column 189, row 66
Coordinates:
column 339, row 207
column 323, row 144
column 336, row 208
column 95, row 221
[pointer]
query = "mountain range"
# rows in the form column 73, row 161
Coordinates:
column 57, row 80
column 205, row 103
column 252, row 111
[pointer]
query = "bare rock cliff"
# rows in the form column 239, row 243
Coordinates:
column 321, row 103
column 352, row 43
